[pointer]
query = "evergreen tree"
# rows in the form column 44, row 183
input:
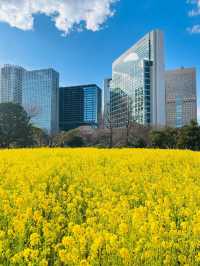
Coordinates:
column 165, row 139
column 15, row 126
column 189, row 137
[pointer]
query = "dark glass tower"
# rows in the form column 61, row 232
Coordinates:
column 78, row 106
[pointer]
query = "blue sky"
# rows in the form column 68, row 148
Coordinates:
column 86, row 52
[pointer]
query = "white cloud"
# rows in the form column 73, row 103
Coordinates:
column 195, row 29
column 67, row 14
column 194, row 12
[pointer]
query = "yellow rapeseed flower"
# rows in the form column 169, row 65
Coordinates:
column 92, row 207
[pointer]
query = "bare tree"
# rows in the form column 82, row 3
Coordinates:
column 40, row 137
column 33, row 110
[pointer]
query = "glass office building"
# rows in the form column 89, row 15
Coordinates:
column 40, row 98
column 106, row 95
column 137, row 87
column 71, row 107
column 92, row 105
column 78, row 106
column 181, row 96
column 11, row 84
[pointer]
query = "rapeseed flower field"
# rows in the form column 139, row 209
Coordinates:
column 82, row 207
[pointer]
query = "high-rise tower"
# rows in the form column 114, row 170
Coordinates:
column 137, row 87
column 11, row 83
column 181, row 96
column 40, row 98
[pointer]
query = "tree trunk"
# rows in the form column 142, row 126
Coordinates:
column 111, row 137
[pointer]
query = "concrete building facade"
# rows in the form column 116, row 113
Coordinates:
column 181, row 96
column 11, row 79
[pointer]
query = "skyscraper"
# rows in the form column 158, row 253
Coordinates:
column 79, row 105
column 37, row 91
column 137, row 87
column 11, row 84
column 71, row 107
column 106, row 95
column 40, row 98
column 181, row 96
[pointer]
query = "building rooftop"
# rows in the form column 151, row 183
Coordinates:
column 80, row 86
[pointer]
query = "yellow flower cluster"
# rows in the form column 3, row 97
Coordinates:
column 90, row 207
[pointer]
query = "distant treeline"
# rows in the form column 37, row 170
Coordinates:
column 16, row 130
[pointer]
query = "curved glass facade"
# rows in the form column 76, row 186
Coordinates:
column 137, row 86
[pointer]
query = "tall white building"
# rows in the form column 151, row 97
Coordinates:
column 181, row 96
column 11, row 83
column 37, row 91
column 138, row 87
column 40, row 98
